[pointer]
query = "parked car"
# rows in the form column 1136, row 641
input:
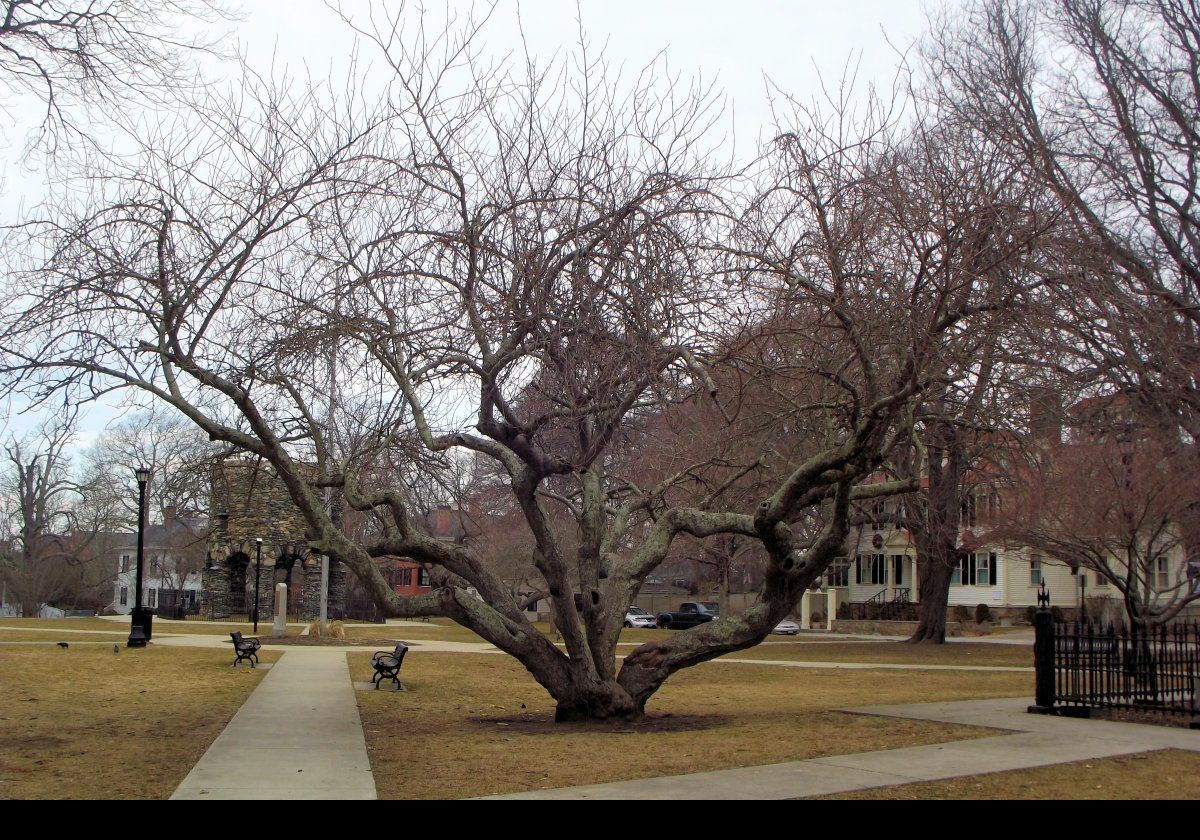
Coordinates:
column 787, row 628
column 690, row 614
column 637, row 617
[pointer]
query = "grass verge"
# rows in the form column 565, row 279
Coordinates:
column 84, row 723
column 473, row 725
column 895, row 653
column 1166, row 774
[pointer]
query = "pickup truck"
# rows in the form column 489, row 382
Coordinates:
column 690, row 614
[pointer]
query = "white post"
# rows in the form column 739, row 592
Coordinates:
column 806, row 612
column 324, row 594
column 279, row 628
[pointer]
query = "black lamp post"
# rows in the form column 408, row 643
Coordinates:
column 139, row 630
column 257, row 567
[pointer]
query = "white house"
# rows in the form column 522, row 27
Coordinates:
column 883, row 569
column 173, row 558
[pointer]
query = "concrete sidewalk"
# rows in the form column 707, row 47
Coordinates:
column 298, row 736
column 1040, row 741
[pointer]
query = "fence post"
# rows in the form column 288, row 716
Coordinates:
column 1043, row 654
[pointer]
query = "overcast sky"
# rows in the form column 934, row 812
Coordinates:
column 736, row 43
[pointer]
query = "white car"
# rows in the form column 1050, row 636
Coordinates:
column 787, row 628
column 638, row 617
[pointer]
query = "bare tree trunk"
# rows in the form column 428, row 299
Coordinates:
column 935, row 532
column 934, row 573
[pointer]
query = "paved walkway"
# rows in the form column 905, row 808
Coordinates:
column 873, row 666
column 298, row 736
column 1038, row 741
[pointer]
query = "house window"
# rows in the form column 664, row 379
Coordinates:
column 977, row 509
column 406, row 577
column 1035, row 570
column 1161, row 573
column 838, row 574
column 124, row 596
column 879, row 515
column 125, row 561
column 897, row 570
column 871, row 569
column 976, row 570
column 422, row 577
column 1101, row 580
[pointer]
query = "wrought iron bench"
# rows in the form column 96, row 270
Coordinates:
column 245, row 648
column 388, row 665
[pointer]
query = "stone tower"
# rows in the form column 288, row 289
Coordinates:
column 248, row 502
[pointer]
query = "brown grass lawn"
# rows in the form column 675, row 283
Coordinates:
column 473, row 724
column 440, row 629
column 65, row 623
column 957, row 653
column 70, row 638
column 1167, row 774
column 83, row 723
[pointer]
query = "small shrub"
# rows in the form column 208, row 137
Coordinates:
column 960, row 613
column 337, row 630
column 872, row 611
column 818, row 619
column 1030, row 614
column 843, row 611
column 982, row 613
column 1057, row 614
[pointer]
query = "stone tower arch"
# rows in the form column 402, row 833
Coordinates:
column 249, row 502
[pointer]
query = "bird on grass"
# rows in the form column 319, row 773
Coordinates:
column 116, row 649
column 63, row 645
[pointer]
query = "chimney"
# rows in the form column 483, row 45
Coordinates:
column 1045, row 415
column 441, row 521
column 168, row 514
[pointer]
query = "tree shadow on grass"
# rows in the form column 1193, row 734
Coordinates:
column 539, row 724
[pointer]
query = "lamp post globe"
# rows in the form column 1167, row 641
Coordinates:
column 140, row 628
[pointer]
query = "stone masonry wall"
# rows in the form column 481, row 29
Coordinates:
column 249, row 502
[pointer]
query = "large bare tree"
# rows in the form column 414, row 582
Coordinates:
column 533, row 266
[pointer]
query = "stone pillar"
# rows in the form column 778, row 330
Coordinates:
column 279, row 627
column 338, row 584
column 310, row 602
column 214, row 591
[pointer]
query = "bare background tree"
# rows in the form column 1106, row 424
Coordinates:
column 1132, row 527
column 77, row 57
column 44, row 551
column 1096, row 103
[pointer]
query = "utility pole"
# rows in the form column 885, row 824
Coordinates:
column 330, row 391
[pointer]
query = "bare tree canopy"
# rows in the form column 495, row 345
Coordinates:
column 547, row 269
column 76, row 55
column 1098, row 103
column 48, row 534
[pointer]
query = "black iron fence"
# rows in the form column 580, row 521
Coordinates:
column 1085, row 666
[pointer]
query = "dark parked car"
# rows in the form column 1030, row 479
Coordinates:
column 690, row 614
